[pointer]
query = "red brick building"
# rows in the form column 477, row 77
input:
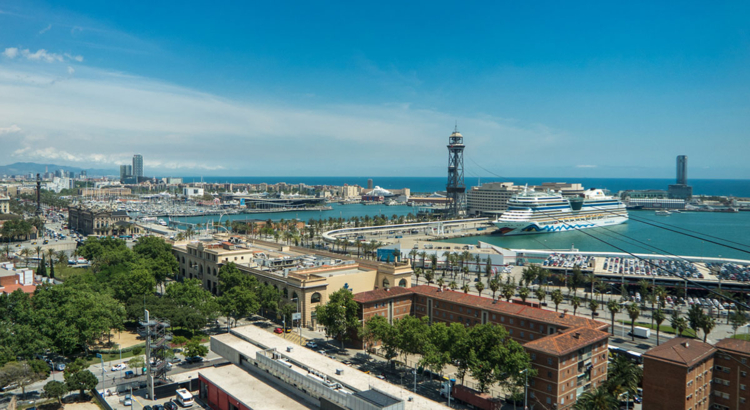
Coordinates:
column 731, row 383
column 677, row 375
column 569, row 352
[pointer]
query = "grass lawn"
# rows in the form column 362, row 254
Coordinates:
column 663, row 328
column 743, row 336
column 63, row 272
column 111, row 356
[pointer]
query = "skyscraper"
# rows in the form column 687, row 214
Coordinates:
column 137, row 165
column 682, row 170
column 369, row 183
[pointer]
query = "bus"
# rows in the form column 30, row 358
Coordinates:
column 184, row 397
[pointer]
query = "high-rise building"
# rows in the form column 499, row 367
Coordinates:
column 681, row 190
column 682, row 170
column 137, row 165
column 369, row 184
column 126, row 171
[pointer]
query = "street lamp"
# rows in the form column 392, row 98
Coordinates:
column 299, row 321
column 526, row 389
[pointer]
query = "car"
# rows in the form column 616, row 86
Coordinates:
column 311, row 345
column 147, row 408
column 176, row 350
column 194, row 359
column 60, row 367
column 158, row 407
column 118, row 367
column 288, row 330
column 170, row 405
column 278, row 330
column 175, row 360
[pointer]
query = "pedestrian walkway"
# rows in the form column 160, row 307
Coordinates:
column 292, row 337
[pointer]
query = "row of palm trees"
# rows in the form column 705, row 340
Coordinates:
column 59, row 256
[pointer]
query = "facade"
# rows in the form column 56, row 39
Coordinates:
column 304, row 278
column 126, row 171
column 490, row 198
column 192, row 192
column 112, row 191
column 681, row 189
column 569, row 352
column 731, row 383
column 677, row 375
column 100, row 221
column 4, row 205
column 137, row 166
column 682, row 170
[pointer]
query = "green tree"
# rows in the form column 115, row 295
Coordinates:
column 508, row 291
column 658, row 317
column 412, row 335
column 479, row 287
column 678, row 322
column 55, row 390
column 597, row 399
column 557, row 298
column 593, row 306
column 695, row 318
column 136, row 362
column 575, row 301
column 194, row 348
column 737, row 319
column 623, row 375
column 496, row 357
column 41, row 270
column 192, row 306
column 383, row 331
column 339, row 315
column 81, row 380
column 494, row 286
column 528, row 274
column 633, row 312
column 465, row 288
column 524, row 293
column 238, row 302
column 613, row 308
column 707, row 324
column 540, row 294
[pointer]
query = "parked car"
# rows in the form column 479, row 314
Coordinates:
column 175, row 360
column 129, row 375
column 118, row 367
column 60, row 367
column 278, row 330
column 170, row 405
column 194, row 359
column 311, row 345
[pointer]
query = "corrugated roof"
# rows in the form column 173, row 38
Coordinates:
column 681, row 351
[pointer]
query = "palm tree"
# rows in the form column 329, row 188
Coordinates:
column 678, row 322
column 440, row 282
column 523, row 293
column 38, row 249
column 623, row 375
column 480, row 287
column 465, row 288
column 494, row 286
column 26, row 252
column 576, row 302
column 593, row 306
column 540, row 294
column 429, row 275
column 633, row 312
column 62, row 257
column 614, row 308
column 658, row 317
column 599, row 399
column 557, row 298
column 453, row 285
column 707, row 325
column 417, row 274
column 528, row 274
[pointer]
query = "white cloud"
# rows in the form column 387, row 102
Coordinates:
column 46, row 29
column 71, row 70
column 102, row 118
column 40, row 55
column 11, row 52
column 10, row 130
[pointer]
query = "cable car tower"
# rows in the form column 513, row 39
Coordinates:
column 456, row 187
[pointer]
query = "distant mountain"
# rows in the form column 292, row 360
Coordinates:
column 24, row 168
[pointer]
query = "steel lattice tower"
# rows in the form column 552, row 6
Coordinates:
column 456, row 187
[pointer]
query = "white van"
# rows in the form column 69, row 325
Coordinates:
column 184, row 397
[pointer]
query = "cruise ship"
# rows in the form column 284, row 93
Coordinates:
column 538, row 212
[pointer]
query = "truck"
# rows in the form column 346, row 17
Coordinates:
column 466, row 395
column 641, row 332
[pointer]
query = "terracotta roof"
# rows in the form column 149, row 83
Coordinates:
column 381, row 294
column 682, row 351
column 11, row 288
column 567, row 342
column 522, row 311
column 734, row 345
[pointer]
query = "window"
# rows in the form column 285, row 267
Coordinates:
column 549, row 387
column 743, row 387
column 549, row 374
column 743, row 374
column 533, row 356
column 531, row 336
column 522, row 335
column 549, row 361
column 511, row 321
column 549, row 400
column 502, row 318
column 315, row 298
column 493, row 316
column 523, row 322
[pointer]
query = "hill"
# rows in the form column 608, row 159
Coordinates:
column 23, row 168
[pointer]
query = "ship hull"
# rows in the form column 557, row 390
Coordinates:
column 511, row 228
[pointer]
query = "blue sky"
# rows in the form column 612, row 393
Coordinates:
column 545, row 89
